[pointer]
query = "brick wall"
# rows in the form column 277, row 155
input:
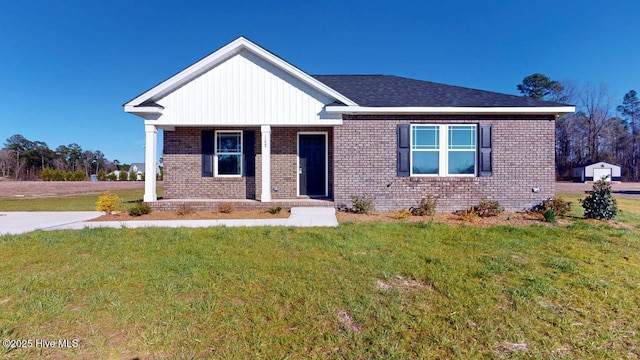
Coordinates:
column 182, row 162
column 523, row 158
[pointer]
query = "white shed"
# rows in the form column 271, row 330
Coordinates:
column 596, row 171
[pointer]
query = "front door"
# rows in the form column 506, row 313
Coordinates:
column 312, row 154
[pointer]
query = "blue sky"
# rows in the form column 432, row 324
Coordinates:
column 67, row 66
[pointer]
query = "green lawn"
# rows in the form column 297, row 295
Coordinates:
column 629, row 208
column 85, row 202
column 357, row 291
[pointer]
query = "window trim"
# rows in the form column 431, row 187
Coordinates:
column 443, row 150
column 215, row 153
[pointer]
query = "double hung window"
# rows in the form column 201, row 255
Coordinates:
column 228, row 153
column 443, row 150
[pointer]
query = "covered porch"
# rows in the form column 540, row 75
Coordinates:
column 283, row 164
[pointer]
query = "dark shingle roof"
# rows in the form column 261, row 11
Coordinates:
column 395, row 91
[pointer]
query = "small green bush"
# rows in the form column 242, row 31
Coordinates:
column 600, row 203
column 275, row 210
column 549, row 216
column 363, row 204
column 139, row 209
column 47, row 174
column 102, row 175
column 123, row 175
column 426, row 206
column 58, row 175
column 78, row 175
column 112, row 177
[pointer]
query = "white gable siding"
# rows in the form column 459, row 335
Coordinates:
column 245, row 90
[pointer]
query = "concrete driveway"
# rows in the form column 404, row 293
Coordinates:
column 18, row 222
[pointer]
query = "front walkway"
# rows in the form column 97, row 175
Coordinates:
column 21, row 222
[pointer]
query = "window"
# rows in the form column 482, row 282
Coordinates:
column 443, row 150
column 228, row 154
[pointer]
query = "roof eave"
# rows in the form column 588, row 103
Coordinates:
column 371, row 110
column 146, row 112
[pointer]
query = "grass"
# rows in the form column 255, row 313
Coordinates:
column 84, row 202
column 358, row 291
column 628, row 208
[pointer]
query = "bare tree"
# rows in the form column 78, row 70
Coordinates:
column 6, row 162
column 596, row 109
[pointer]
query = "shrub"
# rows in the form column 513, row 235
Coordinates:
column 363, row 204
column 226, row 208
column 58, row 175
column 133, row 176
column 112, row 177
column 401, row 213
column 469, row 214
column 426, row 206
column 275, row 210
column 47, row 174
column 102, row 175
column 108, row 203
column 78, row 175
column 185, row 209
column 600, row 204
column 123, row 175
column 549, row 216
column 559, row 206
column 488, row 208
column 139, row 209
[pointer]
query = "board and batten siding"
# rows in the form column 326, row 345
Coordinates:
column 246, row 90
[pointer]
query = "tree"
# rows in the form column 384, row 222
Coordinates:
column 540, row 86
column 630, row 110
column 18, row 144
column 594, row 116
column 6, row 162
column 75, row 156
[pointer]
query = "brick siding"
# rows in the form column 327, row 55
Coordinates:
column 523, row 158
column 363, row 151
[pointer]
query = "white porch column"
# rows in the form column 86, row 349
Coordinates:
column 266, row 163
column 150, row 150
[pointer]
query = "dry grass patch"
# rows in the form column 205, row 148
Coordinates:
column 346, row 320
column 400, row 282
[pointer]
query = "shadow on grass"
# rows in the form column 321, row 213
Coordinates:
column 627, row 192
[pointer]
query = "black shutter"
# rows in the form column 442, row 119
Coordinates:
column 403, row 150
column 485, row 150
column 249, row 152
column 207, row 153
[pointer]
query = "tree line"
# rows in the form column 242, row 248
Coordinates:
column 601, row 129
column 23, row 159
